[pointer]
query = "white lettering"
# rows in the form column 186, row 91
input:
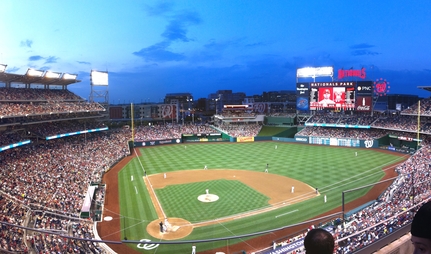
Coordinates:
column 363, row 108
column 147, row 246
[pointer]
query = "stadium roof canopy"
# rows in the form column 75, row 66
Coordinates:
column 426, row 88
column 46, row 78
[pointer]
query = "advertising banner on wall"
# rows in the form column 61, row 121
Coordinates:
column 261, row 107
column 167, row 111
column 363, row 103
column 244, row 139
column 302, row 95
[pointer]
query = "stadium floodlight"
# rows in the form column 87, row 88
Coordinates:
column 2, row 68
column 34, row 73
column 99, row 78
column 69, row 76
column 50, row 74
column 312, row 72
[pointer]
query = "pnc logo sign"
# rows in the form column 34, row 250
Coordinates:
column 365, row 88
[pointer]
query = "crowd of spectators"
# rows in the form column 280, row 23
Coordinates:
column 404, row 123
column 36, row 119
column 169, row 131
column 14, row 109
column 425, row 109
column 30, row 102
column 363, row 134
column 35, row 94
column 54, row 176
column 342, row 133
column 391, row 210
column 241, row 130
column 345, row 119
column 54, row 128
column 9, row 137
column 52, row 243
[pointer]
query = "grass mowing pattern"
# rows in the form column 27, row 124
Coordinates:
column 331, row 169
column 235, row 197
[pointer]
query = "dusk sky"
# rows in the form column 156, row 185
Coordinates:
column 151, row 48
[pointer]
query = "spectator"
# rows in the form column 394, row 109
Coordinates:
column 421, row 230
column 319, row 241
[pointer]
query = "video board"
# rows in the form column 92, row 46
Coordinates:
column 332, row 95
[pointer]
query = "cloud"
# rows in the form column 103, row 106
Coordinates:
column 159, row 53
column 83, row 62
column 35, row 58
column 177, row 27
column 363, row 52
column 361, row 46
column 51, row 59
column 13, row 69
column 256, row 44
column 362, row 49
column 27, row 43
column 219, row 46
column 159, row 9
column 48, row 60
column 176, row 30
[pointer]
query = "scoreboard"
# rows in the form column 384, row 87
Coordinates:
column 345, row 95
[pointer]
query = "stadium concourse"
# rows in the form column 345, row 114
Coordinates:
column 44, row 182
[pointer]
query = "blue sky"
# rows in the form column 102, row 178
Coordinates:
column 151, row 48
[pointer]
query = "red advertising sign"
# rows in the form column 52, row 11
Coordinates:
column 352, row 73
column 363, row 103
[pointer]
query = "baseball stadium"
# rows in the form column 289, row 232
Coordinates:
column 83, row 176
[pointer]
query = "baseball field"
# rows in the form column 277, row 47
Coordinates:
column 234, row 196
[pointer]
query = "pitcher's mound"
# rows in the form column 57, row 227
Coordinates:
column 179, row 228
column 208, row 198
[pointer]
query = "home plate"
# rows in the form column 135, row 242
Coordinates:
column 208, row 198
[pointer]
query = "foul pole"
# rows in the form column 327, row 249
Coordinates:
column 133, row 126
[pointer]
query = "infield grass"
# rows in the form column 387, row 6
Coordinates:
column 330, row 169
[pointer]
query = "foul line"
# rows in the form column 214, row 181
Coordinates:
column 286, row 213
column 150, row 186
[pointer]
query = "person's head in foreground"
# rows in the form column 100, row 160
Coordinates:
column 421, row 230
column 319, row 241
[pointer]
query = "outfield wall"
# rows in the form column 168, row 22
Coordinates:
column 347, row 142
column 158, row 142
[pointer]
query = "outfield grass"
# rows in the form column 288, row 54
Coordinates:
column 331, row 169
